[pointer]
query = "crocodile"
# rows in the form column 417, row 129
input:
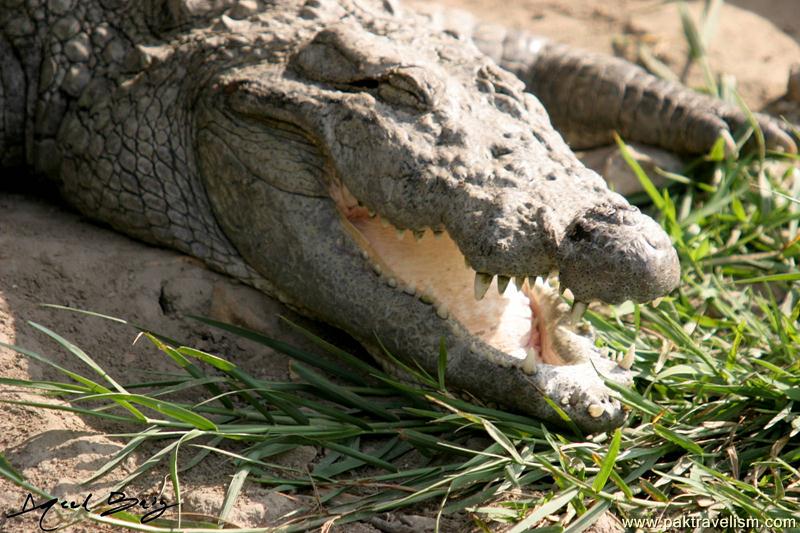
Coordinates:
column 372, row 165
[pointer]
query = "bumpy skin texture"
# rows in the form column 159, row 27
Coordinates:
column 219, row 128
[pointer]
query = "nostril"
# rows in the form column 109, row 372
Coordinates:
column 499, row 151
column 580, row 233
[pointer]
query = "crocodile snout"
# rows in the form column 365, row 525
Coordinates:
column 613, row 252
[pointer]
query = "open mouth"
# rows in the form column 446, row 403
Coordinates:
column 524, row 319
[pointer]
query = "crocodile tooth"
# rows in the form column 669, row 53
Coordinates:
column 411, row 289
column 578, row 309
column 426, row 298
column 385, row 222
column 565, row 400
column 364, row 255
column 519, row 281
column 657, row 301
column 627, row 361
column 400, row 232
column 377, row 269
column 482, row 282
column 730, row 143
column 502, row 283
column 392, row 282
column 442, row 312
column 371, row 213
column 529, row 364
column 418, row 234
column 596, row 410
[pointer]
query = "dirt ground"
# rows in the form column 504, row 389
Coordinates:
column 50, row 254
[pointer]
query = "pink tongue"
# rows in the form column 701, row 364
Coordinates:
column 536, row 335
column 535, row 340
column 539, row 338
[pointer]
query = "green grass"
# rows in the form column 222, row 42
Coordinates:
column 714, row 417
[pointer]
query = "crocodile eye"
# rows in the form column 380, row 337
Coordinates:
column 398, row 86
column 407, row 89
column 349, row 58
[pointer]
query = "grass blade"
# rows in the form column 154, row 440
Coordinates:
column 607, row 466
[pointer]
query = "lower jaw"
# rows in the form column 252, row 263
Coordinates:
column 578, row 390
column 349, row 285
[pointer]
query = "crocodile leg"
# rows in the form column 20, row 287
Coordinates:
column 589, row 96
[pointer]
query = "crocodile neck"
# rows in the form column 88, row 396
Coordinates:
column 66, row 51
column 62, row 55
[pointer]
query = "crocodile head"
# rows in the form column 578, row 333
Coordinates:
column 381, row 178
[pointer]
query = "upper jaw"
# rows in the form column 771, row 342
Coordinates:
column 513, row 202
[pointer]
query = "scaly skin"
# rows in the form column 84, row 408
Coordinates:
column 230, row 132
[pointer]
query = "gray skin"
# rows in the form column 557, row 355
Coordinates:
column 219, row 128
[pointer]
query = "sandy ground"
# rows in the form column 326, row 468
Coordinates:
column 50, row 254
